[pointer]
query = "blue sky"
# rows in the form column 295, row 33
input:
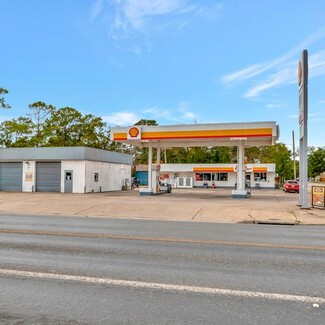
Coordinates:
column 175, row 61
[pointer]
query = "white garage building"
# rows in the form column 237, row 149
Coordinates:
column 63, row 169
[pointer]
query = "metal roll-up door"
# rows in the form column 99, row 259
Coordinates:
column 11, row 177
column 48, row 177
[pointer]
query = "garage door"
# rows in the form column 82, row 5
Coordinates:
column 11, row 176
column 48, row 177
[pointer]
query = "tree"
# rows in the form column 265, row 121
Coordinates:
column 62, row 127
column 316, row 161
column 221, row 155
column 253, row 153
column 16, row 132
column 146, row 122
column 68, row 127
column 46, row 126
column 281, row 156
column 40, row 111
column 3, row 104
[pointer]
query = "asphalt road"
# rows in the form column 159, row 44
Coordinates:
column 69, row 270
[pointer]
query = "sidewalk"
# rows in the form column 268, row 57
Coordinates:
column 197, row 205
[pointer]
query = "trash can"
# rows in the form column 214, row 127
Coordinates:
column 169, row 188
column 257, row 185
column 205, row 185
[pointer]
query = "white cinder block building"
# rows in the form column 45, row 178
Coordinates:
column 63, row 169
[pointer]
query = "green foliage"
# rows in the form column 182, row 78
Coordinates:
column 146, row 122
column 316, row 161
column 16, row 133
column 39, row 113
column 3, row 104
column 47, row 126
column 281, row 156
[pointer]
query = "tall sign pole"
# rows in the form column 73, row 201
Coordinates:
column 303, row 119
column 294, row 155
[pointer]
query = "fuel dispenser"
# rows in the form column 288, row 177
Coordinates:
column 155, row 178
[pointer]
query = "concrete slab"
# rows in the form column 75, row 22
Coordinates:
column 197, row 205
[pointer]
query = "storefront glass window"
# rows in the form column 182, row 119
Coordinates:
column 203, row 176
column 221, row 177
column 260, row 177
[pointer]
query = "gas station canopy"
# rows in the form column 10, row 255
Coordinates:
column 198, row 135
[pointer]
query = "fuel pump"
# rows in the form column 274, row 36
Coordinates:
column 155, row 177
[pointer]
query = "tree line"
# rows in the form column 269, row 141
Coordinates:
column 47, row 126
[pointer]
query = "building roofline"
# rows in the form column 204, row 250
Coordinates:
column 63, row 153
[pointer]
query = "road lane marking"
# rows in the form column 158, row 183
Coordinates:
column 161, row 239
column 163, row 286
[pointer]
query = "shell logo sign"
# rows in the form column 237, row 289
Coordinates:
column 134, row 133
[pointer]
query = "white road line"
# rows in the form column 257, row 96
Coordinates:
column 162, row 286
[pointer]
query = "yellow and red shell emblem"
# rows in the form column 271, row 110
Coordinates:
column 134, row 132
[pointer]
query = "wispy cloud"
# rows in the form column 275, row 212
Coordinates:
column 283, row 76
column 121, row 118
column 317, row 120
column 126, row 18
column 97, row 8
column 276, row 105
column 137, row 12
column 158, row 113
column 186, row 114
column 279, row 71
column 210, row 13
column 310, row 115
column 180, row 114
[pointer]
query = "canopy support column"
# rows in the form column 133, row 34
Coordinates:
column 150, row 167
column 240, row 191
column 158, row 153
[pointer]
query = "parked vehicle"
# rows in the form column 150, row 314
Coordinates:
column 291, row 186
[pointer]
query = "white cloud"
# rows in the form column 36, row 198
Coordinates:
column 284, row 76
column 157, row 113
column 179, row 115
column 276, row 105
column 317, row 120
column 210, row 13
column 137, row 11
column 310, row 115
column 125, row 18
column 316, row 64
column 279, row 71
column 121, row 118
column 185, row 113
column 136, row 50
column 244, row 74
column 97, row 8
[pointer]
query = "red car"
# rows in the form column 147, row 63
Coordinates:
column 291, row 186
